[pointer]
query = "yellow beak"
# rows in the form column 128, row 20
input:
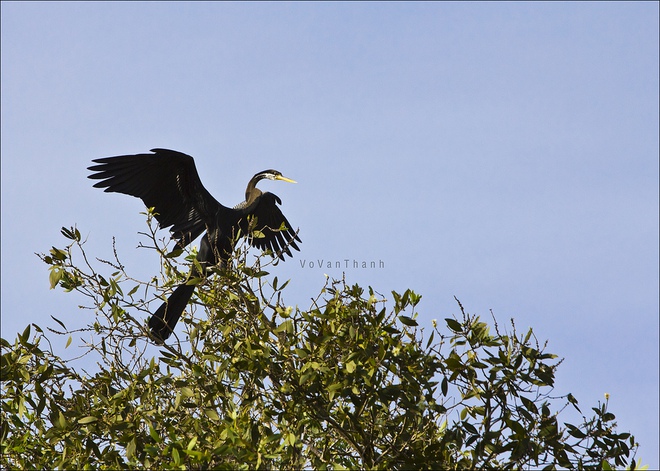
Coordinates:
column 284, row 179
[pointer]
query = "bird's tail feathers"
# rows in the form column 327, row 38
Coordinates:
column 164, row 320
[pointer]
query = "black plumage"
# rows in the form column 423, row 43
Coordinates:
column 168, row 181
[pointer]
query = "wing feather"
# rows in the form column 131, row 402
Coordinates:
column 166, row 180
column 269, row 220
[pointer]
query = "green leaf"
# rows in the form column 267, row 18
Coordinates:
column 575, row 431
column 409, row 321
column 87, row 420
column 153, row 433
column 573, row 401
column 286, row 326
column 211, row 414
column 61, row 420
column 454, row 325
column 302, row 353
column 291, row 439
column 130, row 449
column 192, row 443
column 306, row 376
column 58, row 254
column 529, row 405
column 25, row 336
column 174, row 253
column 430, row 340
column 187, row 392
column 55, row 277
column 177, row 400
column 72, row 233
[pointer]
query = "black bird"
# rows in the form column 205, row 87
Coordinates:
column 167, row 181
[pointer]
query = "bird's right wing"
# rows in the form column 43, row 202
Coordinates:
column 277, row 234
column 166, row 180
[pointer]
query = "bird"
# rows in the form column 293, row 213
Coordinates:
column 167, row 181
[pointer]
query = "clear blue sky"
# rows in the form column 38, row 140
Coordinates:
column 504, row 153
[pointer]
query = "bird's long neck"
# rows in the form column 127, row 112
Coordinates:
column 252, row 192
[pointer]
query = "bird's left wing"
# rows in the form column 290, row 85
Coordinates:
column 278, row 235
column 166, row 180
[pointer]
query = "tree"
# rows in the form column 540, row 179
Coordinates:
column 346, row 383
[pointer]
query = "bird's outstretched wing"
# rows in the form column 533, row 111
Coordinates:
column 166, row 180
column 269, row 220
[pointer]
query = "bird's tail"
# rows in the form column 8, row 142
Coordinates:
column 165, row 318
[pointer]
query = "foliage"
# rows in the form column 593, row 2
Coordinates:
column 345, row 383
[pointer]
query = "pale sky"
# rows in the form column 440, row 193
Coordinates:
column 502, row 153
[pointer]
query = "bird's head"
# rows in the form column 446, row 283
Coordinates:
column 272, row 175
